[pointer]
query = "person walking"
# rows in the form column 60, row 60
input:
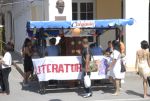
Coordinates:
column 28, row 65
column 143, row 64
column 86, row 56
column 115, row 67
column 6, row 62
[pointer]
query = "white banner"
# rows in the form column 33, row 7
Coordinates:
column 65, row 68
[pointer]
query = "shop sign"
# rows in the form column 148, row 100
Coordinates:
column 83, row 24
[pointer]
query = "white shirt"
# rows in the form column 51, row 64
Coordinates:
column 7, row 60
column 115, row 72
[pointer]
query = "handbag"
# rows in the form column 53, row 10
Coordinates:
column 148, row 80
column 87, row 81
column 123, row 68
column 92, row 65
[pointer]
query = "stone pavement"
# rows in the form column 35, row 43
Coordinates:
column 132, row 90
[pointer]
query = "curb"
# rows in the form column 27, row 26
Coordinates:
column 18, row 68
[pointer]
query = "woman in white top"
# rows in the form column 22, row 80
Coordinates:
column 115, row 67
column 6, row 68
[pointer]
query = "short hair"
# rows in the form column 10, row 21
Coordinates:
column 116, row 45
column 92, row 45
column 52, row 41
column 85, row 41
column 8, row 47
column 144, row 44
column 109, row 42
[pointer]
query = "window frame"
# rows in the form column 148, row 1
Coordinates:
column 78, row 7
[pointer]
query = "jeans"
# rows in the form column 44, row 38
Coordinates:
column 87, row 90
column 1, row 79
column 5, row 83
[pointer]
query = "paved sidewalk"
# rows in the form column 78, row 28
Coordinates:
column 17, row 62
column 132, row 90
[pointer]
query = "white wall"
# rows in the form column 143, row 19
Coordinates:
column 54, row 12
column 8, row 28
column 46, row 9
column 137, row 9
column 5, row 10
column 21, row 14
column 109, row 35
column 39, row 10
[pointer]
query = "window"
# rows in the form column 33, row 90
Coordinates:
column 83, row 10
column 74, row 11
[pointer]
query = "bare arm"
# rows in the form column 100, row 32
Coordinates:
column 148, row 59
column 137, row 61
column 27, row 51
column 112, row 64
column 1, row 61
column 87, row 60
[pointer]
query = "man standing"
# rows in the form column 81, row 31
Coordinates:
column 86, row 56
column 52, row 50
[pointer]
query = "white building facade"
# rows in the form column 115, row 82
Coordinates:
column 16, row 13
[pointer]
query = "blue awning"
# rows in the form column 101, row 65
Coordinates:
column 106, row 23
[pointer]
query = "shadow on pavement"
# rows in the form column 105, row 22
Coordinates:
column 34, row 86
column 18, row 68
column 17, row 59
column 107, row 89
column 55, row 100
column 130, row 92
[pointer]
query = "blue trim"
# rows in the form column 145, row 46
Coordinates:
column 106, row 23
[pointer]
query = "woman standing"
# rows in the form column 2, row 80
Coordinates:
column 143, row 64
column 28, row 65
column 6, row 68
column 115, row 67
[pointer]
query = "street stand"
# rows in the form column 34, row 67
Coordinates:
column 67, row 66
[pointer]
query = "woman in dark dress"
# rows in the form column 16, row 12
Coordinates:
column 27, row 54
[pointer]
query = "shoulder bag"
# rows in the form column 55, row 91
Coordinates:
column 123, row 68
column 92, row 65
